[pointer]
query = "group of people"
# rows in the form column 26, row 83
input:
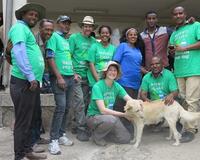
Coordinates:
column 96, row 78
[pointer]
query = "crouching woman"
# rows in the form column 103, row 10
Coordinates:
column 103, row 121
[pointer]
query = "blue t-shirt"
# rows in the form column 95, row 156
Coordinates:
column 130, row 59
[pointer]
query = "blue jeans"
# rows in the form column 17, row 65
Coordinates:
column 63, row 102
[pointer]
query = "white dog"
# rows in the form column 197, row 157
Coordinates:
column 145, row 113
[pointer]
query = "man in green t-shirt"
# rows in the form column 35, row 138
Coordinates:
column 160, row 83
column 79, row 46
column 27, row 72
column 186, row 45
column 61, row 76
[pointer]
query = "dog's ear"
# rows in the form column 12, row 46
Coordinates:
column 127, row 106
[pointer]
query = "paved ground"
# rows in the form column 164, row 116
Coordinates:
column 153, row 147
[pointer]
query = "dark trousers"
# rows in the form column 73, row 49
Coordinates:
column 36, row 130
column 25, row 104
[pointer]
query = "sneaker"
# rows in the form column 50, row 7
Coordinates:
column 38, row 149
column 54, row 147
column 82, row 135
column 65, row 141
column 32, row 155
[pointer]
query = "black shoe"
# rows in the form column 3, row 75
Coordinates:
column 74, row 130
column 187, row 136
column 35, row 156
column 82, row 135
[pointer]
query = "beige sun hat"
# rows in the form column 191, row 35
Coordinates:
column 29, row 7
column 113, row 63
column 88, row 20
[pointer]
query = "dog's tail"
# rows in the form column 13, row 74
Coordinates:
column 189, row 116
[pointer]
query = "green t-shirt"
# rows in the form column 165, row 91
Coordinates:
column 186, row 63
column 101, row 91
column 20, row 32
column 99, row 56
column 161, row 86
column 79, row 46
column 60, row 46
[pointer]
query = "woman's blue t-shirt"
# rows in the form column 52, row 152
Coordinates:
column 130, row 59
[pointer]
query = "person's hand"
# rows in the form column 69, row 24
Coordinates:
column 147, row 100
column 181, row 48
column 77, row 77
column 172, row 50
column 33, row 85
column 191, row 20
column 61, row 83
column 125, row 115
column 144, row 70
column 9, row 47
column 169, row 99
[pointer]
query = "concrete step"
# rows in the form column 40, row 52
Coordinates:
column 7, row 114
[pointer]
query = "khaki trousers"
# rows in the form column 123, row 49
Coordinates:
column 189, row 89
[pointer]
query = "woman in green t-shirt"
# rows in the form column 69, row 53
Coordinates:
column 103, row 121
column 99, row 55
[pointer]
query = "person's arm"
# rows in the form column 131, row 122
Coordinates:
column 51, row 62
column 169, row 99
column 143, row 70
column 106, row 111
column 92, row 61
column 144, row 96
column 145, row 88
column 189, row 47
column 19, row 52
column 127, row 98
column 93, row 70
column 173, row 89
column 72, row 45
column 118, row 55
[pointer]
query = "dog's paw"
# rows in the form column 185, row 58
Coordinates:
column 136, row 145
column 176, row 144
column 168, row 138
column 133, row 141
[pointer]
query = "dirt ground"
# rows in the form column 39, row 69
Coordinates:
column 154, row 146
